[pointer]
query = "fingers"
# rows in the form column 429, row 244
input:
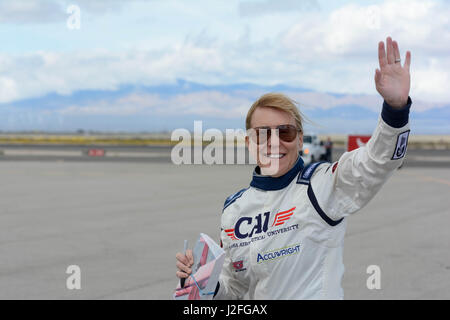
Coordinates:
column 182, row 258
column 391, row 54
column 190, row 256
column 390, row 51
column 184, row 268
column 184, row 264
column 382, row 55
column 186, row 259
column 407, row 63
column 377, row 76
column 396, row 50
column 181, row 274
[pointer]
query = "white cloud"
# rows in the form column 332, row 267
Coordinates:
column 252, row 8
column 49, row 11
column 43, row 72
column 345, row 44
column 353, row 29
column 30, row 11
column 332, row 51
column 8, row 89
column 433, row 81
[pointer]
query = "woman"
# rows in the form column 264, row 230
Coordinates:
column 283, row 235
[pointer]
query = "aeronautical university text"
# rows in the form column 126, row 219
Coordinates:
column 261, row 237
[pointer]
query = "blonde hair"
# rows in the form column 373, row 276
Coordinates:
column 278, row 101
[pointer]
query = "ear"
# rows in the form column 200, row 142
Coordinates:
column 300, row 141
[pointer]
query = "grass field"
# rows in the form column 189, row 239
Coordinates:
column 339, row 140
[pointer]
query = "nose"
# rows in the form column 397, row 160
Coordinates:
column 273, row 143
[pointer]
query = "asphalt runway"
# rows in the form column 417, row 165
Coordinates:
column 123, row 222
column 162, row 154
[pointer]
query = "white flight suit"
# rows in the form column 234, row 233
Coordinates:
column 284, row 237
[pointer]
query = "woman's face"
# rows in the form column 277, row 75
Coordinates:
column 274, row 156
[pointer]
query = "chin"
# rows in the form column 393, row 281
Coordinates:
column 280, row 172
column 275, row 170
column 284, row 167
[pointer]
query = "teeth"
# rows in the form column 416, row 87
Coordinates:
column 275, row 156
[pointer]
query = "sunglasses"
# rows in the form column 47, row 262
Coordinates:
column 285, row 132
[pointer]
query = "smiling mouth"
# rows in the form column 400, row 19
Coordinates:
column 275, row 155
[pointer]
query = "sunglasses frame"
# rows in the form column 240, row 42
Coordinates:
column 269, row 132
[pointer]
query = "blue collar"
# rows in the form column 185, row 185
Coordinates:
column 269, row 183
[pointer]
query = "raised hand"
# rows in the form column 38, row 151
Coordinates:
column 392, row 80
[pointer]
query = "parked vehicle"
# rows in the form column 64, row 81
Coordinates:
column 313, row 149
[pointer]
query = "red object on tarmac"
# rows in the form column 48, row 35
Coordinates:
column 96, row 152
column 354, row 142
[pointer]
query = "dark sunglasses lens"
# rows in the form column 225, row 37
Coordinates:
column 287, row 134
column 263, row 135
column 260, row 135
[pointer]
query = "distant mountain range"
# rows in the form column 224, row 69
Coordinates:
column 165, row 107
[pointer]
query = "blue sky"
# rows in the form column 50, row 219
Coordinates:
column 326, row 47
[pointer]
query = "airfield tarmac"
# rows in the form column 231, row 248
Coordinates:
column 122, row 223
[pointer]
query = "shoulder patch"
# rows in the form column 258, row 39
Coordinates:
column 233, row 198
column 402, row 143
column 307, row 172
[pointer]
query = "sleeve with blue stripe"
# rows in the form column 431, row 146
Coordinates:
column 348, row 185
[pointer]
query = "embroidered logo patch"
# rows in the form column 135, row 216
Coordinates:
column 402, row 142
column 278, row 253
column 307, row 172
column 239, row 266
column 283, row 216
